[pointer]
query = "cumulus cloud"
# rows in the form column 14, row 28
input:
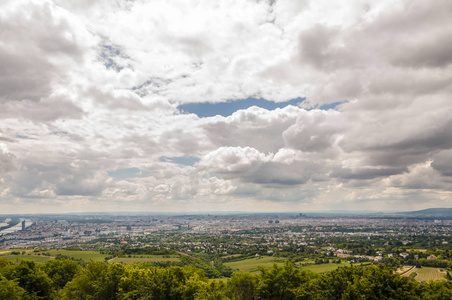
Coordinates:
column 254, row 127
column 88, row 87
column 442, row 162
column 33, row 179
column 249, row 165
column 233, row 160
column 420, row 176
column 6, row 159
column 37, row 43
column 313, row 131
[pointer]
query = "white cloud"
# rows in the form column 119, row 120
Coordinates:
column 233, row 160
column 420, row 176
column 255, row 127
column 91, row 86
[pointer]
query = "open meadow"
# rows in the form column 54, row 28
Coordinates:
column 35, row 258
column 144, row 258
column 45, row 255
column 86, row 256
column 79, row 254
column 251, row 265
column 322, row 268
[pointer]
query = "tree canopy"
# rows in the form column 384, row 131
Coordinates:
column 101, row 280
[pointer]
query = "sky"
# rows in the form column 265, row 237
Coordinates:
column 259, row 106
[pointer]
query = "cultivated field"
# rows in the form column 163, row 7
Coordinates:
column 144, row 258
column 35, row 258
column 78, row 254
column 404, row 270
column 250, row 265
column 322, row 268
column 32, row 255
column 426, row 274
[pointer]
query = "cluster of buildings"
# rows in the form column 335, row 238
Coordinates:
column 230, row 233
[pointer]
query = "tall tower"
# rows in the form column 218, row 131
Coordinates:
column 23, row 225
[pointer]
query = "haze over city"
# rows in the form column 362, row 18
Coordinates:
column 198, row 106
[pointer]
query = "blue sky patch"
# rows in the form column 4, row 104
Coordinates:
column 180, row 160
column 331, row 105
column 23, row 137
column 225, row 109
column 108, row 55
column 127, row 173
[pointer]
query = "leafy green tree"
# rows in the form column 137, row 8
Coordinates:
column 4, row 263
column 242, row 286
column 146, row 282
column 216, row 290
column 10, row 289
column 98, row 281
column 283, row 283
column 370, row 282
column 61, row 271
column 437, row 290
column 30, row 277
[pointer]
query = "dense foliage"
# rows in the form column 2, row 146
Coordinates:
column 100, row 280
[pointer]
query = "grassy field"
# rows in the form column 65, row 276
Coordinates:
column 322, row 268
column 250, row 265
column 35, row 258
column 426, row 274
column 416, row 250
column 144, row 258
column 84, row 255
column 404, row 269
column 232, row 255
column 305, row 262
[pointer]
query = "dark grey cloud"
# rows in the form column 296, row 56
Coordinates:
column 46, row 110
column 318, row 46
column 249, row 165
column 7, row 162
column 276, row 193
column 400, row 142
column 313, row 131
column 421, row 177
column 401, row 50
column 279, row 175
column 365, row 173
column 39, row 180
column 24, row 78
column 180, row 141
column 5, row 139
column 81, row 93
column 32, row 40
column 433, row 52
column 442, row 162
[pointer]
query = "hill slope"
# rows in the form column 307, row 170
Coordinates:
column 430, row 212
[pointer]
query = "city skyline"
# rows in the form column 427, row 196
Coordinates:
column 198, row 106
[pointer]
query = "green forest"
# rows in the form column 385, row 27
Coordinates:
column 65, row 279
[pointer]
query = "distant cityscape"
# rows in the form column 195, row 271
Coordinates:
column 105, row 231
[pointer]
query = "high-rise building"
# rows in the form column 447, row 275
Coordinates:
column 23, row 225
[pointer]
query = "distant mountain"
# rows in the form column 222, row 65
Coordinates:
column 430, row 212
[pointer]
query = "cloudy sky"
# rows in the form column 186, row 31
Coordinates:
column 270, row 105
